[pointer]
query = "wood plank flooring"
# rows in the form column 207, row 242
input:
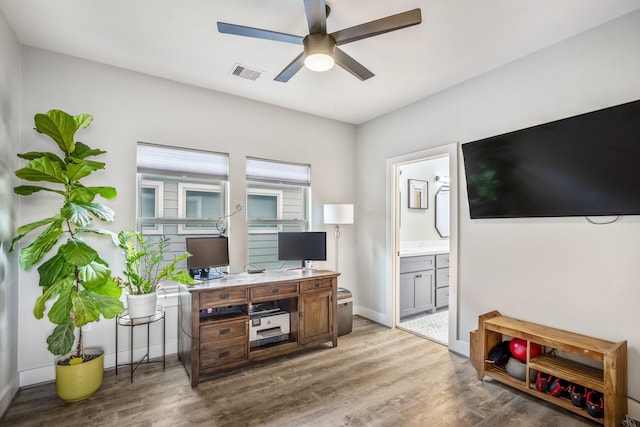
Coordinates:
column 375, row 377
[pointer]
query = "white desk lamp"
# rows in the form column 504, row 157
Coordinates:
column 338, row 215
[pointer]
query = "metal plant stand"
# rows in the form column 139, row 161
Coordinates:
column 124, row 320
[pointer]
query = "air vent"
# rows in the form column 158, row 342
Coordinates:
column 245, row 72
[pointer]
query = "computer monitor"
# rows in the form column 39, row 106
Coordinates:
column 207, row 253
column 302, row 246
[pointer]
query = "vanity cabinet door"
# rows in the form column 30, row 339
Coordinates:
column 407, row 294
column 416, row 292
column 425, row 298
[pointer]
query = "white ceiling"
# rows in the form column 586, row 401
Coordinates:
column 178, row 40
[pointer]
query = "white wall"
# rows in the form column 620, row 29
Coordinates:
column 418, row 226
column 564, row 272
column 9, row 134
column 130, row 107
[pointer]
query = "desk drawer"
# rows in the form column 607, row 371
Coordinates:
column 223, row 330
column 218, row 353
column 315, row 285
column 222, row 297
column 269, row 291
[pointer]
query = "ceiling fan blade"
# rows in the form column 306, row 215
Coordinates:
column 316, row 11
column 291, row 69
column 379, row 26
column 351, row 65
column 258, row 33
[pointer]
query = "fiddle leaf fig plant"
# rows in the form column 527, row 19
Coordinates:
column 75, row 278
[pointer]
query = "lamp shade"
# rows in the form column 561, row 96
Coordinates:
column 338, row 214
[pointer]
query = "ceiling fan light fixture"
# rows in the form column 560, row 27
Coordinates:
column 318, row 52
column 319, row 62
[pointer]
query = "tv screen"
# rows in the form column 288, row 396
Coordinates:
column 586, row 165
column 207, row 252
column 302, row 246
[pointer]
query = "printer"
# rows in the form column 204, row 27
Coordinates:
column 267, row 325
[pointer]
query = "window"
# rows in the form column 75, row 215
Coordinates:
column 151, row 205
column 177, row 187
column 264, row 206
column 199, row 201
column 278, row 199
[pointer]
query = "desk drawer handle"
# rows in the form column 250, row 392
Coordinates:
column 223, row 354
column 316, row 285
column 224, row 296
column 275, row 291
column 225, row 331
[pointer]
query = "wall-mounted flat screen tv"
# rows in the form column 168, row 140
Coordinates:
column 586, row 165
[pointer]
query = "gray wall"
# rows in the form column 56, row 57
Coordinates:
column 9, row 131
column 561, row 272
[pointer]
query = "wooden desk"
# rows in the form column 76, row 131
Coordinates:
column 213, row 323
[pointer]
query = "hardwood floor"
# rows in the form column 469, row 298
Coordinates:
column 375, row 377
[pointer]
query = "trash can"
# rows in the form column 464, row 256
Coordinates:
column 345, row 312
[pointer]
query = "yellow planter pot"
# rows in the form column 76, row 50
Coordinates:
column 79, row 382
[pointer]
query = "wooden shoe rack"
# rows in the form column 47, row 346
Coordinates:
column 579, row 359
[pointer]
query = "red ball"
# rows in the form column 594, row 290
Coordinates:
column 518, row 349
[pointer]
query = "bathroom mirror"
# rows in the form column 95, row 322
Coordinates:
column 442, row 211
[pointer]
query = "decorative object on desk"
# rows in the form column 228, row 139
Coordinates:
column 418, row 194
column 144, row 270
column 76, row 278
column 338, row 214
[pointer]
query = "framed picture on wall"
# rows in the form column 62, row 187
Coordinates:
column 418, row 194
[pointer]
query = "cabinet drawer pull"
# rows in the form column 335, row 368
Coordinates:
column 225, row 295
column 225, row 331
column 223, row 354
column 316, row 285
column 275, row 291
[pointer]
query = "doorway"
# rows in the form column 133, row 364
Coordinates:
column 424, row 240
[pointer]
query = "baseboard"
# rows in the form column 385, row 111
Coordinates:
column 48, row 373
column 373, row 315
column 633, row 409
column 8, row 393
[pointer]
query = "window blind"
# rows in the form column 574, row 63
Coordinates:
column 278, row 172
column 158, row 159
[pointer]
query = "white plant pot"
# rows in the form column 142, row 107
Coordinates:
column 142, row 305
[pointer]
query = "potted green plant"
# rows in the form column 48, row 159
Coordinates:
column 75, row 279
column 145, row 269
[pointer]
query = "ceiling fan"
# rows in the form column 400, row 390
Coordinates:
column 321, row 49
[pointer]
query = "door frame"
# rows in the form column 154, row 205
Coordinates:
column 392, row 235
